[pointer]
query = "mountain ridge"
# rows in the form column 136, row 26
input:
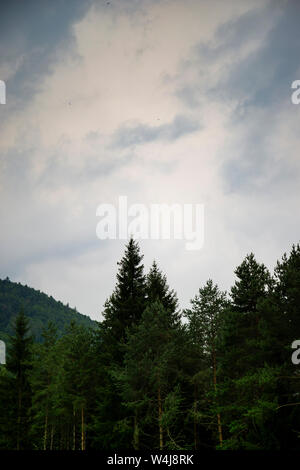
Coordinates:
column 38, row 307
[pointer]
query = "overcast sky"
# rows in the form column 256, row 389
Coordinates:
column 164, row 101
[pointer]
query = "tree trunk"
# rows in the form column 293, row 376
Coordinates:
column 159, row 419
column 52, row 437
column 82, row 430
column 74, row 428
column 220, row 433
column 46, row 429
column 135, row 433
column 19, row 416
column 195, row 418
column 61, row 438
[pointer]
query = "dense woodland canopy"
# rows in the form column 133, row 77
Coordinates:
column 38, row 307
column 145, row 379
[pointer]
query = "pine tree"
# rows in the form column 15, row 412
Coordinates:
column 7, row 409
column 158, row 289
column 43, row 381
column 77, row 378
column 287, row 291
column 19, row 364
column 204, row 324
column 248, row 385
column 149, row 379
column 126, row 305
column 284, row 327
column 123, row 311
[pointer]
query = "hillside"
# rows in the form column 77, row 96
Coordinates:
column 38, row 307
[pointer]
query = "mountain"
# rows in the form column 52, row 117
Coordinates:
column 38, row 307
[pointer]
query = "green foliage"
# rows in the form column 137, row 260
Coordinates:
column 150, row 372
column 142, row 379
column 15, row 387
column 38, row 307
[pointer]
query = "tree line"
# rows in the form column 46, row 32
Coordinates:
column 145, row 379
column 38, row 307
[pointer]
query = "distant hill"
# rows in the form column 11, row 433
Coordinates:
column 38, row 307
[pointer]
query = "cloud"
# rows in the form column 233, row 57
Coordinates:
column 136, row 135
column 108, row 100
column 30, row 37
column 250, row 63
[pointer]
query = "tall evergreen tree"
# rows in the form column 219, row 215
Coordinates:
column 43, row 377
column 287, row 292
column 204, row 318
column 7, row 409
column 78, row 384
column 248, row 380
column 149, row 380
column 19, row 364
column 158, row 289
column 126, row 305
column 283, row 328
column 123, row 310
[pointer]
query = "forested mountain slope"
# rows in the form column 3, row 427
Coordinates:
column 38, row 307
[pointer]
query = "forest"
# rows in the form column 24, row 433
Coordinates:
column 217, row 375
column 38, row 307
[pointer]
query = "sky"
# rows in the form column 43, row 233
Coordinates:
column 162, row 101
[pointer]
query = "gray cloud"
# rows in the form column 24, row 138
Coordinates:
column 129, row 136
column 264, row 77
column 261, row 84
column 256, row 85
column 61, row 165
column 31, row 33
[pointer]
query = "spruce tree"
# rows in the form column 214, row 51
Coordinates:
column 77, row 384
column 19, row 364
column 7, row 409
column 287, row 291
column 148, row 381
column 158, row 289
column 284, row 328
column 43, row 381
column 204, row 318
column 248, row 398
column 125, row 306
column 123, row 310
